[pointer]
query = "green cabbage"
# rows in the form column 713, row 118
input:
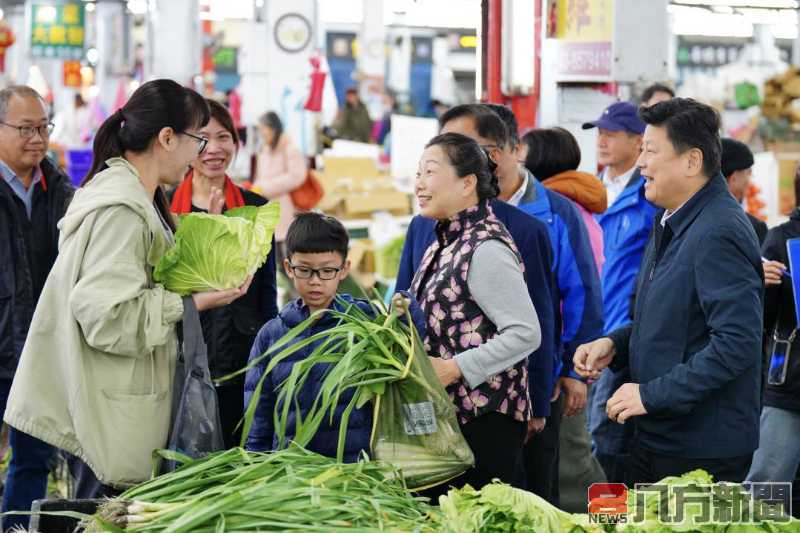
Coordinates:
column 217, row 252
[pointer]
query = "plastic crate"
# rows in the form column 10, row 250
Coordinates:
column 59, row 524
column 79, row 158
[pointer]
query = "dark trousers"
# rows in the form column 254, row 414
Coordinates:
column 86, row 484
column 540, row 456
column 496, row 441
column 614, row 465
column 231, row 412
column 28, row 470
column 647, row 466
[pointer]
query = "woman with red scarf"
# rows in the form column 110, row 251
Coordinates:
column 229, row 331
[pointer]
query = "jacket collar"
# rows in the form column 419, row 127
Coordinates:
column 297, row 311
column 538, row 203
column 683, row 217
column 631, row 195
column 448, row 230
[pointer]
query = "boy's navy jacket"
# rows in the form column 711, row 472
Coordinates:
column 262, row 435
column 531, row 237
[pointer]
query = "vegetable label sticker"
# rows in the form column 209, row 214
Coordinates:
column 419, row 418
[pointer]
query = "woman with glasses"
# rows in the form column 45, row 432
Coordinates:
column 96, row 373
column 229, row 331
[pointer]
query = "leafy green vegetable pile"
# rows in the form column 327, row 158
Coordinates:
column 217, row 252
column 499, row 508
column 294, row 489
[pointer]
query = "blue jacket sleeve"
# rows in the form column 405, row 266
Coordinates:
column 405, row 273
column 269, row 295
column 541, row 285
column 262, row 431
column 730, row 292
column 579, row 284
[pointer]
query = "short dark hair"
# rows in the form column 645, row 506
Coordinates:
column 468, row 158
column 689, row 124
column 315, row 233
column 648, row 93
column 487, row 123
column 509, row 119
column 551, row 151
column 223, row 116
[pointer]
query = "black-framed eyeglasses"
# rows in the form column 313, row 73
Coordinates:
column 201, row 141
column 326, row 273
column 26, row 132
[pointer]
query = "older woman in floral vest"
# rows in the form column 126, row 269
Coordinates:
column 472, row 288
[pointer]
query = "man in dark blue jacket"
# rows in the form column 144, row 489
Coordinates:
column 694, row 347
column 626, row 226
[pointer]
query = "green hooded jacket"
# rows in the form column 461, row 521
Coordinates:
column 96, row 373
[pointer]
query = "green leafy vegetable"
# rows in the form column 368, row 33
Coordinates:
column 217, row 252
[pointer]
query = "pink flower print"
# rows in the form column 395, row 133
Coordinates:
column 457, row 312
column 444, row 353
column 466, row 403
column 495, row 382
column 435, row 319
column 521, row 404
column 466, row 248
column 512, row 392
column 503, row 406
column 453, row 291
column 469, row 333
column 512, row 372
column 451, row 331
column 473, row 209
column 464, row 271
column 478, row 399
column 454, row 226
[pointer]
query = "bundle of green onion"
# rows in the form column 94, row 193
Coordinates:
column 378, row 359
column 293, row 489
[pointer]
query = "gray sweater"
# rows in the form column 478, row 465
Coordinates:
column 498, row 287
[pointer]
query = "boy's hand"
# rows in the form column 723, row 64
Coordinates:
column 400, row 304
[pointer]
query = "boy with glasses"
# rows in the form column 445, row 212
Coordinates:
column 316, row 263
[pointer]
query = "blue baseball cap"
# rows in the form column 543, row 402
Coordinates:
column 621, row 116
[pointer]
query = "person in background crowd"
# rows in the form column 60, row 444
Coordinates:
column 737, row 168
column 658, row 92
column 552, row 155
column 34, row 195
column 531, row 238
column 228, row 331
column 486, row 371
column 73, row 126
column 694, row 347
column 383, row 128
column 778, row 455
column 353, row 122
column 626, row 226
column 101, row 389
column 439, row 108
column 281, row 169
column 578, row 286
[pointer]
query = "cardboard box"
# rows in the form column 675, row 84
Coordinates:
column 788, row 156
column 347, row 173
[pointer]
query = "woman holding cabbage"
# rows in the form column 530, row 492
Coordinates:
column 229, row 331
column 96, row 373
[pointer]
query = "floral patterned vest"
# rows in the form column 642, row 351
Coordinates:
column 456, row 322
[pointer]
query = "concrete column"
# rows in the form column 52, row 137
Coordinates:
column 113, row 47
column 275, row 68
column 371, row 60
column 174, row 43
column 17, row 60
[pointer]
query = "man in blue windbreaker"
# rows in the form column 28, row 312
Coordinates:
column 626, row 226
column 581, row 298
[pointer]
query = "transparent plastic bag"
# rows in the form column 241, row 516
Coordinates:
column 415, row 427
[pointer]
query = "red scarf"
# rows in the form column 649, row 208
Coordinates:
column 182, row 200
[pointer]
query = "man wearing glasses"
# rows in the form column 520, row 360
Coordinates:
column 34, row 195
